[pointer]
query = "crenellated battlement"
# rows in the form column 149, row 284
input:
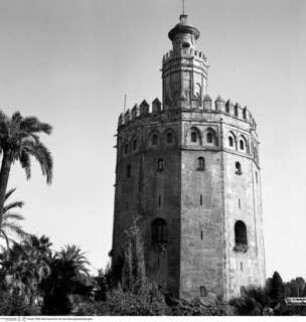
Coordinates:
column 190, row 52
column 229, row 108
column 235, row 110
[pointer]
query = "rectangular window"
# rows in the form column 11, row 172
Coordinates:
column 128, row 170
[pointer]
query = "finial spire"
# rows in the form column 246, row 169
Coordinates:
column 183, row 6
column 124, row 104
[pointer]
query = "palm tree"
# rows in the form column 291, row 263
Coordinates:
column 19, row 140
column 69, row 280
column 9, row 221
column 73, row 254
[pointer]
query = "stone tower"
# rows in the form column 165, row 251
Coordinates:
column 189, row 168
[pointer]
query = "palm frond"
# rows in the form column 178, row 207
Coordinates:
column 25, row 163
column 33, row 125
column 74, row 255
column 42, row 155
column 11, row 216
column 16, row 229
column 9, row 240
column 4, row 124
column 15, row 204
column 9, row 193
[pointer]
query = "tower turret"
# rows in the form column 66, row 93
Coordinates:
column 184, row 69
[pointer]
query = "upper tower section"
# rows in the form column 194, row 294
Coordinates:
column 184, row 69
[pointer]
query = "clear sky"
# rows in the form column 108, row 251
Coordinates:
column 69, row 62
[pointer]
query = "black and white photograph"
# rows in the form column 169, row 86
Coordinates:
column 152, row 158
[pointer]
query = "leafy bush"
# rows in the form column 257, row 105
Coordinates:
column 253, row 301
column 196, row 307
column 90, row 309
column 14, row 304
column 148, row 301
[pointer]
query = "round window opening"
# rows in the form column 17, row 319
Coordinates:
column 186, row 45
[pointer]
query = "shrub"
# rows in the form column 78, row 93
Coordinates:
column 90, row 309
column 253, row 301
column 148, row 301
column 193, row 308
column 15, row 304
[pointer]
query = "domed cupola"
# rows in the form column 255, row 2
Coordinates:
column 183, row 35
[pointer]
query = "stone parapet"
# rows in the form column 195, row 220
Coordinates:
column 190, row 52
column 219, row 106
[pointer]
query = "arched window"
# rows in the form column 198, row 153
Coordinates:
column 241, row 144
column 134, row 144
column 244, row 113
column 241, row 241
column 238, row 168
column 169, row 137
column 194, row 136
column 126, row 148
column 209, row 137
column 154, row 139
column 230, row 141
column 203, row 291
column 201, row 163
column 159, row 231
column 128, row 170
column 160, row 164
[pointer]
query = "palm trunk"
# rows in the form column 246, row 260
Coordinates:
column 4, row 176
column 8, row 251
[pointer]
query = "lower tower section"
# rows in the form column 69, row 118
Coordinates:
column 193, row 178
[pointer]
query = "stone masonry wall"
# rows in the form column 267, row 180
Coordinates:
column 200, row 207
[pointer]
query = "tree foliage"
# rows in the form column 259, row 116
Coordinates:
column 276, row 292
column 68, row 281
column 253, row 301
column 19, row 141
column 25, row 267
column 11, row 229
